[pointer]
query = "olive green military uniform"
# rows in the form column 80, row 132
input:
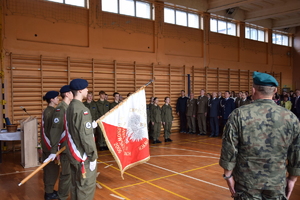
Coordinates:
column 191, row 111
column 244, row 102
column 79, row 121
column 103, row 107
column 57, row 129
column 150, row 126
column 156, row 118
column 167, row 117
column 112, row 105
column 260, row 144
column 202, row 103
column 51, row 171
column 92, row 106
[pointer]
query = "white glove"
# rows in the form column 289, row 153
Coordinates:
column 93, row 165
column 51, row 157
column 94, row 124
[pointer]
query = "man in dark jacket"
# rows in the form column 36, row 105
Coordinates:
column 181, row 111
column 214, row 105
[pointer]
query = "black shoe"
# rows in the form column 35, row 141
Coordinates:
column 157, row 141
column 169, row 140
column 211, row 136
column 154, row 142
column 101, row 149
column 49, row 196
column 166, row 140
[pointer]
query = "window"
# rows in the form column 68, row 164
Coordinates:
column 280, row 38
column 80, row 3
column 133, row 8
column 254, row 32
column 180, row 17
column 220, row 25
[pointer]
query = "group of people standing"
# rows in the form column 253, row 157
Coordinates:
column 210, row 111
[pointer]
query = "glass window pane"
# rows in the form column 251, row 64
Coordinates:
column 278, row 39
column 75, row 2
column 221, row 27
column 127, row 7
column 169, row 15
column 247, row 33
column 231, row 29
column 285, row 40
column 253, row 34
column 181, row 18
column 110, row 6
column 58, row 1
column 143, row 10
column 273, row 38
column 193, row 20
column 261, row 35
column 213, row 25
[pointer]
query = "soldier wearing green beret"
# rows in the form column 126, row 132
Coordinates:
column 167, row 119
column 81, row 151
column 156, row 120
column 261, row 146
column 58, row 140
column 51, row 170
column 103, row 107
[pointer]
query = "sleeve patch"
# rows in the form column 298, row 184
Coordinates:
column 88, row 125
column 85, row 112
column 56, row 120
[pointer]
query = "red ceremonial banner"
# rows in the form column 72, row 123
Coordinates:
column 125, row 131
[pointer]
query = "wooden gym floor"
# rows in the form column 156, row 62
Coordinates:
column 186, row 168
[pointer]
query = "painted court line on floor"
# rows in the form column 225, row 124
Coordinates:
column 187, row 176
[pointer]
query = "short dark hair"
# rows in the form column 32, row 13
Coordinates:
column 101, row 92
column 182, row 91
column 116, row 93
column 74, row 92
column 166, row 98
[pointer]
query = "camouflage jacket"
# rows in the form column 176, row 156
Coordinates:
column 258, row 139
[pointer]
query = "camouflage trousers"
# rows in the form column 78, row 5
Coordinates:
column 244, row 193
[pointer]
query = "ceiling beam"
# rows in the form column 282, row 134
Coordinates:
column 218, row 5
column 288, row 7
column 286, row 23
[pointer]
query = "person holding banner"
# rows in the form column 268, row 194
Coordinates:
column 82, row 151
column 51, row 170
column 167, row 119
column 58, row 140
column 156, row 120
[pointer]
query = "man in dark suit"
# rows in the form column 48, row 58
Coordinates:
column 228, row 106
column 214, row 105
column 181, row 111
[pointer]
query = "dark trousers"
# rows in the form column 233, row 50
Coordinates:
column 214, row 126
column 183, row 121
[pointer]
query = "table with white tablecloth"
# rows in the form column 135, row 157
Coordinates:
column 8, row 136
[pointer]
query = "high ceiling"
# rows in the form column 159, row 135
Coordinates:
column 274, row 14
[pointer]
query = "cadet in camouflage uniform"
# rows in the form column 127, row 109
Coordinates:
column 103, row 107
column 58, row 140
column 51, row 170
column 116, row 96
column 202, row 104
column 156, row 120
column 167, row 119
column 191, row 112
column 261, row 142
column 82, row 151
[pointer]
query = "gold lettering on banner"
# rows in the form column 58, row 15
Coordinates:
column 143, row 145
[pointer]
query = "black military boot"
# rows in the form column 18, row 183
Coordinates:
column 49, row 196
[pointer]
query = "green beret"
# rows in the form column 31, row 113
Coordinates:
column 264, row 79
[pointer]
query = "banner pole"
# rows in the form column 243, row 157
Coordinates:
column 39, row 168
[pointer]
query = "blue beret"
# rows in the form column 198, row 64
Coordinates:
column 78, row 84
column 264, row 79
column 64, row 89
column 50, row 95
